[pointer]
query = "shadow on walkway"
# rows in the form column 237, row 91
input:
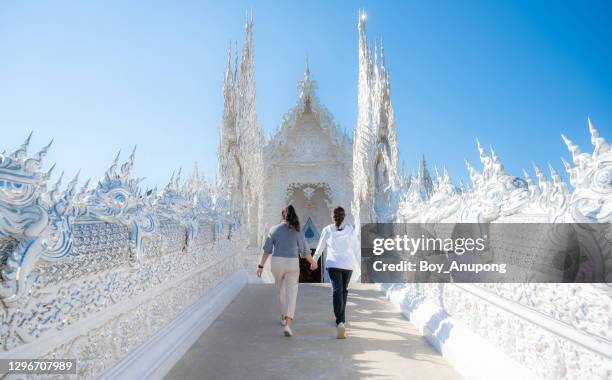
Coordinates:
column 246, row 341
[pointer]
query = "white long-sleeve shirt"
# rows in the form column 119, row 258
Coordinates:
column 340, row 246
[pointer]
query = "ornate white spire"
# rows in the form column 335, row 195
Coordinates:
column 375, row 150
column 228, row 133
column 240, row 168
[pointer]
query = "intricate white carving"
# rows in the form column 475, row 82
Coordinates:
column 102, row 347
column 36, row 220
column 309, row 192
column 498, row 197
column 117, row 199
column 72, row 254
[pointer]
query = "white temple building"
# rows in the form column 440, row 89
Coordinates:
column 309, row 162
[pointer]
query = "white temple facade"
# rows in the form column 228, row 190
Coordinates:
column 309, row 162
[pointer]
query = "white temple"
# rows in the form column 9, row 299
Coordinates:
column 309, row 162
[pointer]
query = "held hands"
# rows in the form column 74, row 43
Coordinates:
column 313, row 266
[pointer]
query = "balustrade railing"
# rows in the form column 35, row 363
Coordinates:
column 91, row 273
column 554, row 330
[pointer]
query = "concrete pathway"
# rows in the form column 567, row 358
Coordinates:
column 246, row 341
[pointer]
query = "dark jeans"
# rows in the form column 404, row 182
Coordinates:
column 339, row 280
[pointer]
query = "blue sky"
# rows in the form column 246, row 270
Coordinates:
column 102, row 76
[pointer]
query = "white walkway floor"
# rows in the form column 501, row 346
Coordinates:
column 245, row 342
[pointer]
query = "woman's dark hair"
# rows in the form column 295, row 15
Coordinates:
column 338, row 216
column 291, row 218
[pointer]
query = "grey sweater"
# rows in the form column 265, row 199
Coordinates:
column 282, row 241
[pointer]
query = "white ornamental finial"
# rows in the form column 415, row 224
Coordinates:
column 526, row 175
column 43, row 152
column 481, row 150
column 542, row 180
column 475, row 176
column 485, row 160
column 171, row 181
column 21, row 153
column 553, row 171
column 306, row 86
column 534, row 191
column 126, row 168
column 111, row 169
column 580, row 159
column 27, row 143
column 85, row 186
column 600, row 143
column 494, row 155
column 570, row 171
column 362, row 17
column 35, row 163
column 177, row 179
column 566, row 165
column 58, row 183
column 479, row 146
column 47, row 175
column 567, row 141
column 70, row 190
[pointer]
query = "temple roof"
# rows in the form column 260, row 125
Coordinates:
column 308, row 101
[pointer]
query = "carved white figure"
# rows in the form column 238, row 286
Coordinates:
column 36, row 220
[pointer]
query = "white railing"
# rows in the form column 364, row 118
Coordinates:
column 551, row 330
column 92, row 274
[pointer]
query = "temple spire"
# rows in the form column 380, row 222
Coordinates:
column 307, row 86
column 375, row 153
column 307, row 71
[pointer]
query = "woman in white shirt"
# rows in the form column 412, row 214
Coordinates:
column 339, row 241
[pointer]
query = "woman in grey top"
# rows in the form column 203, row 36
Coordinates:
column 286, row 244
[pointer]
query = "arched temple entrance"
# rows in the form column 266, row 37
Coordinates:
column 313, row 204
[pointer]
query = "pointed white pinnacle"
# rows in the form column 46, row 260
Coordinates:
column 59, row 180
column 526, row 174
column 566, row 165
column 50, row 170
column 26, row 143
column 552, row 170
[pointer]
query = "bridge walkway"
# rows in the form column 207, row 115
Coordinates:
column 246, row 341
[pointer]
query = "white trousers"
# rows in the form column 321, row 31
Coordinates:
column 286, row 271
